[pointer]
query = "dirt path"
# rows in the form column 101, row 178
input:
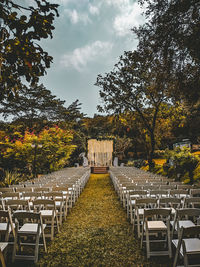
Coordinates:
column 96, row 232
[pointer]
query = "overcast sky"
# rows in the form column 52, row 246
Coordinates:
column 88, row 39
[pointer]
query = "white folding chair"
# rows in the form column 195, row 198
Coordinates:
column 140, row 205
column 154, row 227
column 31, row 229
column 184, row 218
column 188, row 245
column 49, row 214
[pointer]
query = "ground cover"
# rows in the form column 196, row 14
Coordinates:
column 96, row 232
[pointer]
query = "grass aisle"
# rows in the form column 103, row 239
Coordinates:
column 96, row 232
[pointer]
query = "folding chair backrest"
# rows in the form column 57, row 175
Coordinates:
column 192, row 202
column 18, row 204
column 10, row 195
column 167, row 187
column 145, row 202
column 60, row 188
column 158, row 192
column 44, row 203
column 190, row 231
column 31, row 195
column 6, row 189
column 6, row 216
column 170, row 201
column 188, row 213
column 24, row 189
column 184, row 186
column 21, row 215
column 195, row 192
column 178, row 192
column 53, row 195
column 41, row 189
column 157, row 212
column 138, row 192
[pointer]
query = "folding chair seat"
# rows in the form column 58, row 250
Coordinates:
column 48, row 212
column 188, row 246
column 31, row 230
column 159, row 228
column 187, row 217
column 140, row 205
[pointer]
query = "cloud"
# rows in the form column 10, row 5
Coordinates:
column 76, row 17
column 94, row 10
column 80, row 57
column 129, row 17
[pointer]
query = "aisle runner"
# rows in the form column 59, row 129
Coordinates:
column 96, row 232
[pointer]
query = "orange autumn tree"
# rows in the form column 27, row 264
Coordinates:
column 37, row 153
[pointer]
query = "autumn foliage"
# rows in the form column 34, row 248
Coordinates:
column 45, row 152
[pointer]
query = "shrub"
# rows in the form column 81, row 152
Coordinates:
column 138, row 163
column 181, row 164
column 11, row 178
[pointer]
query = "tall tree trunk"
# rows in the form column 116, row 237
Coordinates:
column 151, row 154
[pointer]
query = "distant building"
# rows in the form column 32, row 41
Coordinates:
column 183, row 143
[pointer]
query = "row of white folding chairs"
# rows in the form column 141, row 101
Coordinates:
column 156, row 228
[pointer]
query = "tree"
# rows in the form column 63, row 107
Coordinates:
column 21, row 56
column 121, row 145
column 34, row 105
column 32, row 153
column 173, row 30
column 137, row 84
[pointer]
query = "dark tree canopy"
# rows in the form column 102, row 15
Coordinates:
column 34, row 104
column 21, row 56
column 137, row 84
column 173, row 30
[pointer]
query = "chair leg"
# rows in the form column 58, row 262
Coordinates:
column 43, row 237
column 142, row 237
column 186, row 260
column 36, row 248
column 52, row 228
column 138, row 225
column 169, row 242
column 133, row 221
column 2, row 259
column 147, row 243
column 177, row 254
column 14, row 247
column 57, row 223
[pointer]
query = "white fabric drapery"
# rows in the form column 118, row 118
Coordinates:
column 100, row 152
